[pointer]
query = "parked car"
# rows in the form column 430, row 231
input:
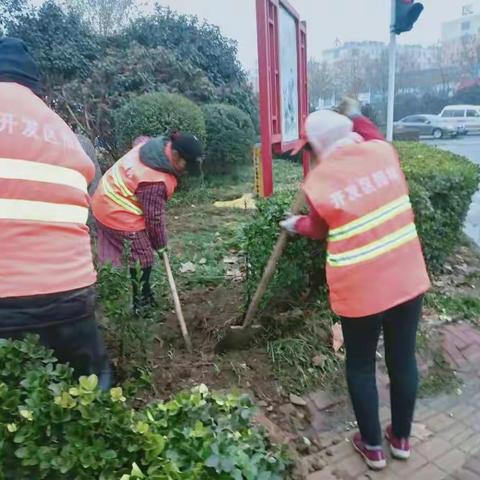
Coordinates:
column 426, row 125
column 467, row 117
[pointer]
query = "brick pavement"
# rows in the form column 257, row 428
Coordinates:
column 446, row 434
column 462, row 347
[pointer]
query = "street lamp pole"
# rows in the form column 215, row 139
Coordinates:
column 391, row 74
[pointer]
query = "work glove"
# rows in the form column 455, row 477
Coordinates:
column 349, row 107
column 289, row 223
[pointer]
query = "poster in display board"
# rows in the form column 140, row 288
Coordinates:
column 289, row 97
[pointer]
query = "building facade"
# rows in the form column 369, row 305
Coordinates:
column 348, row 50
column 466, row 25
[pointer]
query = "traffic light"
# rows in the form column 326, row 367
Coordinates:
column 407, row 13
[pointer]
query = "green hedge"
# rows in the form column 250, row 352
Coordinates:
column 441, row 187
column 230, row 138
column 156, row 114
column 54, row 428
column 300, row 262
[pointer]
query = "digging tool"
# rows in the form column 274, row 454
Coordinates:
column 239, row 336
column 176, row 301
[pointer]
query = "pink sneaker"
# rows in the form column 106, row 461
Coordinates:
column 374, row 456
column 400, row 448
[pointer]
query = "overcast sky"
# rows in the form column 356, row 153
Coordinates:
column 327, row 20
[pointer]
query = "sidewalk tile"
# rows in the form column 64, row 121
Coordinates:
column 405, row 469
column 444, row 403
column 471, row 445
column 451, row 461
column 473, row 465
column 433, row 448
column 453, row 431
column 462, row 437
column 429, row 472
column 384, row 414
column 462, row 411
column 386, row 474
column 423, row 413
column 475, row 401
column 465, row 475
column 440, row 422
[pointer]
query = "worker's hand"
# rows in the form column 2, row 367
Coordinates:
column 289, row 223
column 349, row 107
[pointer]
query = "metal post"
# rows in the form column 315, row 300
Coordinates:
column 264, row 73
column 391, row 75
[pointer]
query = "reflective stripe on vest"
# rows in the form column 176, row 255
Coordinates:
column 371, row 220
column 29, row 210
column 12, row 169
column 120, row 183
column 375, row 249
column 38, row 211
column 127, row 200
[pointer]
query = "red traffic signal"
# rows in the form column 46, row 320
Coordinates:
column 407, row 13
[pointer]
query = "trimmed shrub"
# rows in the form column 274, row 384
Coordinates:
column 156, row 114
column 230, row 138
column 406, row 136
column 54, row 428
column 441, row 187
column 301, row 263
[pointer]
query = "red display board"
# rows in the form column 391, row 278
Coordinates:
column 282, row 62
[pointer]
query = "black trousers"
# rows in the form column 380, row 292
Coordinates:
column 361, row 336
column 66, row 324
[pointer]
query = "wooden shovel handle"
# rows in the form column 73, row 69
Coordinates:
column 176, row 301
column 271, row 265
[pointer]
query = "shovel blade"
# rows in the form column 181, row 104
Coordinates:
column 237, row 338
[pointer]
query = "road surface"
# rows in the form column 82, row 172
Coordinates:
column 468, row 147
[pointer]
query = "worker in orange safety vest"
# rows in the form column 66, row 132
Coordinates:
column 47, row 275
column 129, row 205
column 376, row 272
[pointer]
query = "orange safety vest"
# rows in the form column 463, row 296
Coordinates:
column 44, row 173
column 374, row 257
column 114, row 203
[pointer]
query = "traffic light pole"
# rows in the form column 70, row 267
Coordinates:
column 391, row 75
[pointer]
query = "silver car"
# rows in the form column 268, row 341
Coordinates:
column 431, row 125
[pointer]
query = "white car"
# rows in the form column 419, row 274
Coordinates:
column 467, row 117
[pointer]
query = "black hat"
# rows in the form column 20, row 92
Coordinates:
column 17, row 65
column 187, row 145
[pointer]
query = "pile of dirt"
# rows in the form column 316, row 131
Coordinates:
column 207, row 312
